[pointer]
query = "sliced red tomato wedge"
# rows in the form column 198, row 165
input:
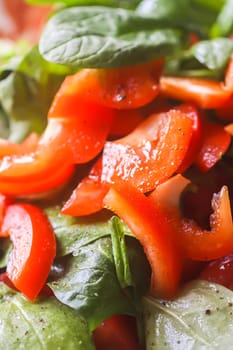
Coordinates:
column 216, row 141
column 154, row 232
column 34, row 247
column 116, row 333
column 197, row 243
column 87, row 197
column 120, row 88
column 151, row 153
column 205, row 93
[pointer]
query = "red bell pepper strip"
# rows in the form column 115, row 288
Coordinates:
column 34, row 247
column 87, row 197
column 116, row 333
column 205, row 93
column 4, row 202
column 120, row 88
column 197, row 243
column 48, row 183
column 125, row 121
column 229, row 75
column 196, row 141
column 225, row 113
column 154, row 232
column 216, row 141
column 8, row 148
column 151, row 153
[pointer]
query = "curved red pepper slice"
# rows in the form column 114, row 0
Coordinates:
column 197, row 243
column 34, row 247
column 154, row 232
column 151, row 153
column 216, row 141
column 205, row 93
column 87, row 197
column 120, row 88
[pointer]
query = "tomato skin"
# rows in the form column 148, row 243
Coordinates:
column 117, row 332
column 204, row 93
column 29, row 265
column 151, row 153
column 154, row 232
column 220, row 271
column 216, row 141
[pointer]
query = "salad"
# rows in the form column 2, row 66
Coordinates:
column 116, row 189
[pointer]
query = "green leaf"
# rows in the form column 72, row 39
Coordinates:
column 199, row 318
column 45, row 324
column 74, row 232
column 97, row 271
column 213, row 54
column 120, row 254
column 114, row 3
column 98, row 37
column 31, row 82
column 5, row 249
column 224, row 22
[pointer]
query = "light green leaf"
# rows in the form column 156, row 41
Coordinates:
column 45, row 324
column 200, row 318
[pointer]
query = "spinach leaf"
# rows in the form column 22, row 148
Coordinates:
column 31, row 82
column 45, row 324
column 112, row 3
column 120, row 254
column 98, row 37
column 97, row 272
column 5, row 249
column 74, row 232
column 199, row 318
column 213, row 54
column 224, row 22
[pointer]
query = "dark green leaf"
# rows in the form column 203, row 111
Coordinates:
column 26, row 92
column 5, row 249
column 213, row 54
column 120, row 253
column 199, row 318
column 224, row 22
column 104, row 37
column 45, row 324
column 87, row 280
column 114, row 3
column 75, row 232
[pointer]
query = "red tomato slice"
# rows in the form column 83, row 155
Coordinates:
column 116, row 333
column 119, row 88
column 197, row 243
column 34, row 247
column 87, row 197
column 220, row 271
column 205, row 93
column 151, row 153
column 155, row 234
column 216, row 141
